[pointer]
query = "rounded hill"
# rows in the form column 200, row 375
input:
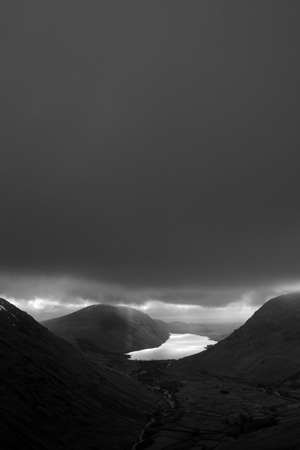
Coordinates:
column 105, row 328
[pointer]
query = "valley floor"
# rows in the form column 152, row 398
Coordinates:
column 202, row 412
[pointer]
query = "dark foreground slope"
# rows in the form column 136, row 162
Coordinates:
column 243, row 393
column 109, row 328
column 51, row 397
column 265, row 349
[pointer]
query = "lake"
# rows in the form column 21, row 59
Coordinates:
column 177, row 346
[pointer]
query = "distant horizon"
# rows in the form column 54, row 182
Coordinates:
column 40, row 315
column 150, row 156
column 235, row 313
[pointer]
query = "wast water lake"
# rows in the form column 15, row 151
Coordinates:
column 176, row 347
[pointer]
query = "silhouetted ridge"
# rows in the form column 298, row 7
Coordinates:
column 106, row 328
column 12, row 317
column 266, row 348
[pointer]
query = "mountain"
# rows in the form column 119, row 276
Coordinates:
column 266, row 349
column 52, row 397
column 104, row 328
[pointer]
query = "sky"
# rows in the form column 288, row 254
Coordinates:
column 149, row 155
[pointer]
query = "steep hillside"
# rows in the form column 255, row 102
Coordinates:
column 265, row 349
column 51, row 397
column 109, row 328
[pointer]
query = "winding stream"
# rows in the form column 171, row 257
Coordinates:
column 143, row 439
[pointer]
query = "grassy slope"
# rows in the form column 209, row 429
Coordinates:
column 109, row 328
column 51, row 397
column 265, row 349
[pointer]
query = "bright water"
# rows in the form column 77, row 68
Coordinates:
column 177, row 346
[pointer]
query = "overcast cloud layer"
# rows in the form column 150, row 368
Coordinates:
column 150, row 148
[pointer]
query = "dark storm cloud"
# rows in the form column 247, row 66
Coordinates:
column 151, row 144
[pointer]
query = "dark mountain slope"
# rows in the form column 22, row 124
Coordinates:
column 109, row 328
column 52, row 397
column 265, row 349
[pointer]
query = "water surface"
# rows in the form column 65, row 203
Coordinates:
column 177, row 346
